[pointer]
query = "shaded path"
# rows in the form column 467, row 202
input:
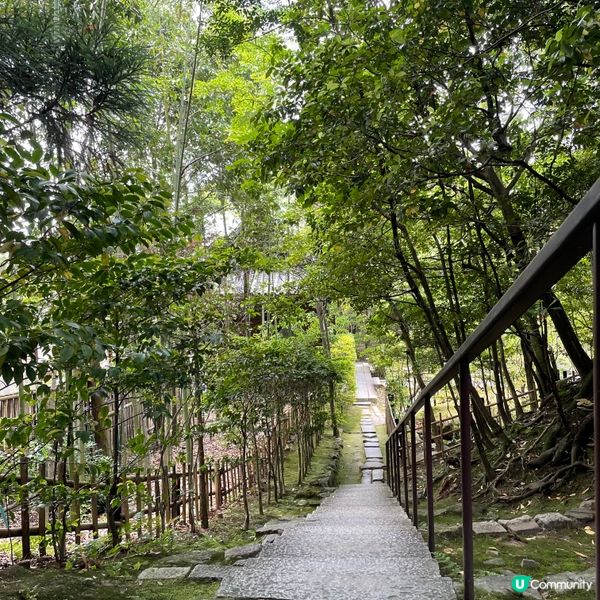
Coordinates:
column 365, row 388
column 357, row 545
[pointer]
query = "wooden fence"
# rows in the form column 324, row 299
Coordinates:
column 151, row 499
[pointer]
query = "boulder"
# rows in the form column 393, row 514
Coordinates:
column 588, row 505
column 529, row 563
column 494, row 562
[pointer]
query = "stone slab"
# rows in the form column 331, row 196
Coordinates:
column 488, row 528
column 242, row 552
column 581, row 515
column 377, row 475
column 277, row 526
column 553, row 520
column 157, row 573
column 373, row 453
column 209, row 572
column 523, row 525
column 372, row 464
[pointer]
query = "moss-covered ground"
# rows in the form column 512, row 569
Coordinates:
column 555, row 552
column 353, row 455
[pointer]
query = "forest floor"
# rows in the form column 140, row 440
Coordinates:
column 551, row 552
column 115, row 577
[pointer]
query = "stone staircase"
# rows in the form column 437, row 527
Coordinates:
column 358, row 545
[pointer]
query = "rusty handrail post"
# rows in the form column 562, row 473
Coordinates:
column 413, row 464
column 466, row 479
column 405, row 470
column 596, row 383
column 389, row 470
column 429, row 474
column 397, row 459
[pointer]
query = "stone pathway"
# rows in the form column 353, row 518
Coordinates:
column 358, row 545
column 365, row 387
column 372, row 469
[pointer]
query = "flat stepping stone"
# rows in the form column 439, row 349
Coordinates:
column 154, row 573
column 242, row 552
column 488, row 528
column 377, row 475
column 368, row 429
column 277, row 526
column 523, row 525
column 553, row 520
column 210, row 572
column 373, row 453
column 372, row 464
column 580, row 515
column 188, row 559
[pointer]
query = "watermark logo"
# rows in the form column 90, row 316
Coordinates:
column 520, row 583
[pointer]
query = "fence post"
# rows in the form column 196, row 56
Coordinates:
column 217, row 486
column 42, row 516
column 405, row 470
column 138, row 503
column 427, row 442
column 396, row 461
column 390, row 471
column 413, row 470
column 466, row 479
column 25, row 539
column 596, row 383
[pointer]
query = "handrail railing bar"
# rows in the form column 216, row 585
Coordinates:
column 567, row 246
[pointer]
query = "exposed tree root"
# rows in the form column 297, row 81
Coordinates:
column 546, row 482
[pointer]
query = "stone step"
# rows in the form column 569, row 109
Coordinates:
column 302, row 584
column 384, row 565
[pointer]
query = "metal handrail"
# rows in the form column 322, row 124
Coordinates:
column 578, row 234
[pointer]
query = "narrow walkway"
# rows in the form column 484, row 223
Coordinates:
column 365, row 388
column 357, row 545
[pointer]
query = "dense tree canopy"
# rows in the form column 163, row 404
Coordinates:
column 199, row 201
